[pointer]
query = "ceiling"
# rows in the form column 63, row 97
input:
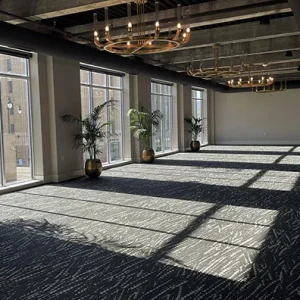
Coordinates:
column 256, row 32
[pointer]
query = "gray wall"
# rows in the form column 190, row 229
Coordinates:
column 251, row 118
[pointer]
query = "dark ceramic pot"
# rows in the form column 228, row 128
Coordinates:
column 93, row 168
column 195, row 146
column 148, row 155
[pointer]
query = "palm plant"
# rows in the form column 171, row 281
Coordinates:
column 195, row 126
column 93, row 129
column 142, row 123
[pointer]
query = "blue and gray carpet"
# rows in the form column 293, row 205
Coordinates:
column 221, row 224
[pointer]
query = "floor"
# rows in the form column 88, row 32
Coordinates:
column 221, row 224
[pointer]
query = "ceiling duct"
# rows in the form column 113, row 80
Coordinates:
column 22, row 38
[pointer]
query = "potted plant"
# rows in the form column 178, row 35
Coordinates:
column 93, row 130
column 195, row 127
column 141, row 124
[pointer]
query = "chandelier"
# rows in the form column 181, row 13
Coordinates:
column 138, row 40
column 250, row 82
column 272, row 89
column 217, row 71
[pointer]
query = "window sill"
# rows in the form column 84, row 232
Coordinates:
column 116, row 164
column 20, row 186
column 161, row 154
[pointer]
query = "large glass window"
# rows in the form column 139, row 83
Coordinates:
column 15, row 141
column 161, row 97
column 197, row 97
column 197, row 111
column 96, row 88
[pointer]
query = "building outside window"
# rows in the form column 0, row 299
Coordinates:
column 96, row 88
column 161, row 98
column 15, row 134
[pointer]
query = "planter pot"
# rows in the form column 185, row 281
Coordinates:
column 148, row 155
column 195, row 146
column 93, row 168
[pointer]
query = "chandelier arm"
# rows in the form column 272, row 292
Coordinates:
column 156, row 34
column 177, row 35
column 108, row 37
column 187, row 38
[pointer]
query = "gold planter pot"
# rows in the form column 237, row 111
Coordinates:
column 148, row 155
column 195, row 146
column 93, row 168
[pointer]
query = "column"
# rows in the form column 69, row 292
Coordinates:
column 55, row 92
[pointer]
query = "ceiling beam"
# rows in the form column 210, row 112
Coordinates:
column 270, row 59
column 41, row 9
column 254, row 48
column 295, row 5
column 249, row 32
column 201, row 15
column 278, row 71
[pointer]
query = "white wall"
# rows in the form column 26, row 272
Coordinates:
column 251, row 118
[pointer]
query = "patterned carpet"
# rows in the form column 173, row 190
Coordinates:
column 221, row 224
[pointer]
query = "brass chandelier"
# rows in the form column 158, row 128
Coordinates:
column 272, row 88
column 137, row 40
column 251, row 82
column 217, row 71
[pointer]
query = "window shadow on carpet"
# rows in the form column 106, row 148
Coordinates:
column 40, row 260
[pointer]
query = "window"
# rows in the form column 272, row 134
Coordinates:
column 199, row 111
column 8, row 64
column 15, row 137
column 9, row 86
column 197, row 97
column 97, row 88
column 161, row 98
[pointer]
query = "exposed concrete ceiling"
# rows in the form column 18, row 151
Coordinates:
column 240, row 27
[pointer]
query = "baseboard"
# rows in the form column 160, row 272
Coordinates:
column 265, row 143
column 67, row 176
column 166, row 153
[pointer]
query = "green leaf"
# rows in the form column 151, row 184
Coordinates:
column 93, row 127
